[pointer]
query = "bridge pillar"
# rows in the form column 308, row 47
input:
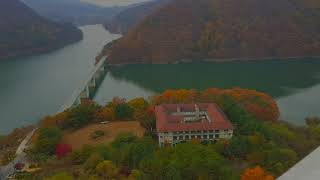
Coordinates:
column 92, row 82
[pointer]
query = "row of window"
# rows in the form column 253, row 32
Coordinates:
column 194, row 132
column 195, row 137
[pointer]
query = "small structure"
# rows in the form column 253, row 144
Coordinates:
column 182, row 122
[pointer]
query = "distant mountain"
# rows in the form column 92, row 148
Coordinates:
column 130, row 17
column 74, row 11
column 24, row 32
column 222, row 30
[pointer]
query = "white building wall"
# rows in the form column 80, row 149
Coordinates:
column 176, row 137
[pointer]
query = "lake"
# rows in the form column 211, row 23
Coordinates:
column 294, row 83
column 36, row 86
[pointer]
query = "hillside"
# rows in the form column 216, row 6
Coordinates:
column 130, row 17
column 214, row 29
column 74, row 11
column 23, row 32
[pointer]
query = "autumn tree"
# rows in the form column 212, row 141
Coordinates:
column 47, row 140
column 106, row 114
column 123, row 111
column 256, row 173
column 107, row 169
column 63, row 150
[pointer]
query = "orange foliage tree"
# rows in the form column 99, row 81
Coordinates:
column 259, row 104
column 256, row 173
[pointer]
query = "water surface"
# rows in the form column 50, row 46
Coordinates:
column 294, row 83
column 32, row 87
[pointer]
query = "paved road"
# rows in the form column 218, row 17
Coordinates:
column 7, row 170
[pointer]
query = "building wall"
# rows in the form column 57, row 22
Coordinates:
column 176, row 137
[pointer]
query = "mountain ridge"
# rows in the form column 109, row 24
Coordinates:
column 24, row 32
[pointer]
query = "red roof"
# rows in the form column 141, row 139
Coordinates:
column 166, row 122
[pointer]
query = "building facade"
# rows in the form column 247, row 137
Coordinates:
column 183, row 122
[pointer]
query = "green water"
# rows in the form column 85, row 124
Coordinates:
column 294, row 83
column 33, row 87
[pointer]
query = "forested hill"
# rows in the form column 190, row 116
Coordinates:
column 215, row 29
column 23, row 32
column 75, row 11
column 130, row 17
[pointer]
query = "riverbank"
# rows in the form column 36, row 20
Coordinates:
column 43, row 50
column 37, row 86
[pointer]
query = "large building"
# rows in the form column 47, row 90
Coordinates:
column 182, row 122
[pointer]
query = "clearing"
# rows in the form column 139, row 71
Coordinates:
column 77, row 139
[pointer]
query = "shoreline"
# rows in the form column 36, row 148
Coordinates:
column 210, row 60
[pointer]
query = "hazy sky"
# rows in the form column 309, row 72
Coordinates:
column 114, row 2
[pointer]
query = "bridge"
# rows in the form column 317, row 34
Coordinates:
column 89, row 87
column 86, row 91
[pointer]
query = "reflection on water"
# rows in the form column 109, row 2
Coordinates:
column 32, row 87
column 280, row 79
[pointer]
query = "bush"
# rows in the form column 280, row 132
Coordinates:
column 123, row 111
column 63, row 150
column 80, row 156
column 48, row 139
column 97, row 134
column 60, row 176
column 8, row 157
column 82, row 115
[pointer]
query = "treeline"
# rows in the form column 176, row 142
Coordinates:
column 262, row 146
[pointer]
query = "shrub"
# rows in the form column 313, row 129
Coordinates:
column 107, row 169
column 63, row 150
column 82, row 115
column 48, row 139
column 60, row 176
column 97, row 134
column 93, row 161
column 123, row 111
column 7, row 157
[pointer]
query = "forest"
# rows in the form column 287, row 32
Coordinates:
column 24, row 32
column 222, row 30
column 262, row 148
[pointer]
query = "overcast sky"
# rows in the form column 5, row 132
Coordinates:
column 114, row 2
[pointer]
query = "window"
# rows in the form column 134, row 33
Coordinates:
column 180, row 137
column 217, row 136
column 217, row 131
column 205, row 136
column 187, row 137
column 211, row 136
column 174, row 137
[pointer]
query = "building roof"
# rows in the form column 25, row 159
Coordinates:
column 167, row 121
